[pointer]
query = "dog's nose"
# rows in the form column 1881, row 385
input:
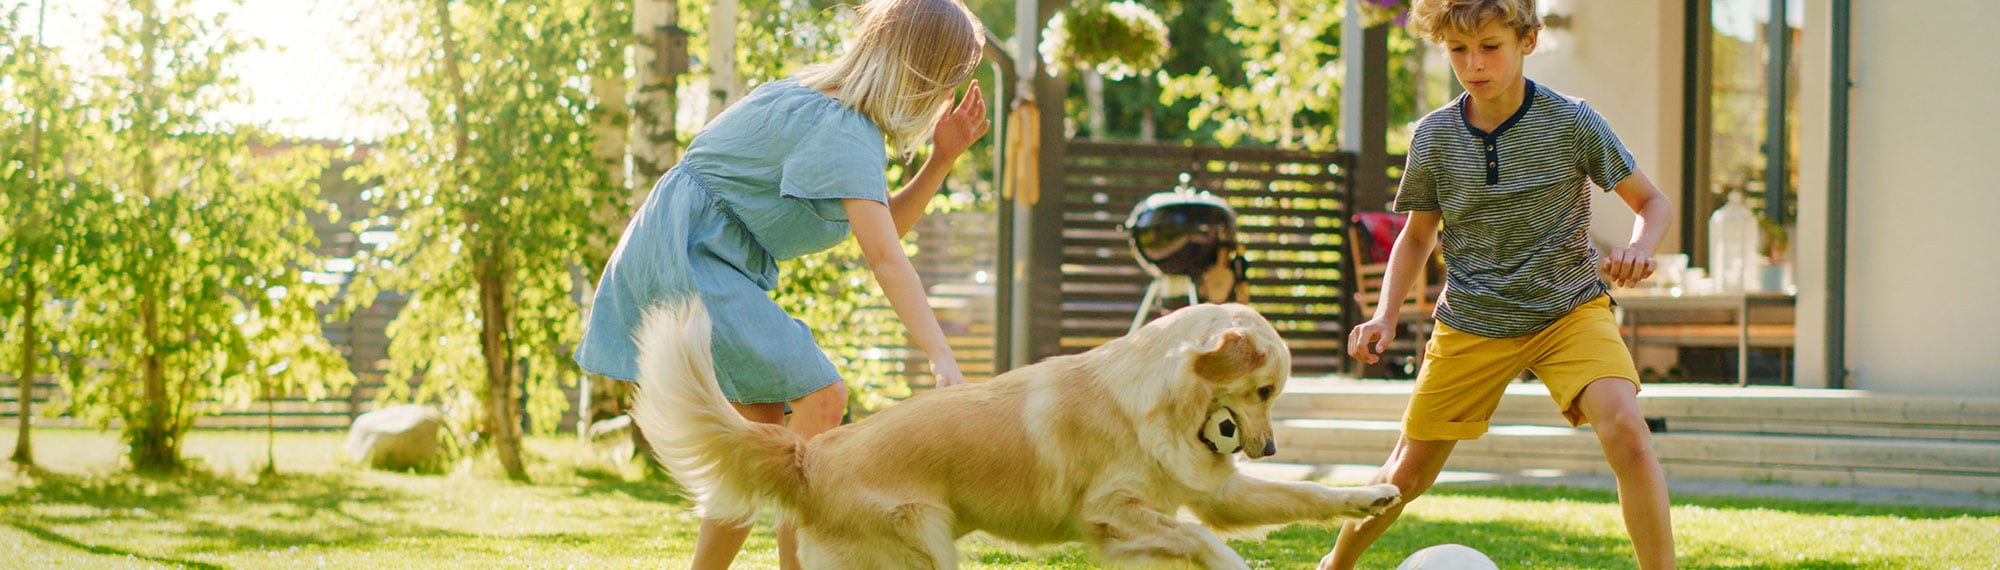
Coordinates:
column 1270, row 447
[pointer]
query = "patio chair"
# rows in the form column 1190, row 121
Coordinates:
column 1366, row 238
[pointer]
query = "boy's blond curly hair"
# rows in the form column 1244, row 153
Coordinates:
column 1432, row 18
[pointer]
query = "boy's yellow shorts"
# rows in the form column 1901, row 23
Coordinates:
column 1465, row 374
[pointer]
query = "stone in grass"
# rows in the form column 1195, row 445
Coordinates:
column 396, row 438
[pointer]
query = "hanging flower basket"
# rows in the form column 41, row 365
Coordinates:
column 1378, row 12
column 1118, row 39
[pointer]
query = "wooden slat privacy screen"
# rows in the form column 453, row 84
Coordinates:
column 957, row 259
column 1292, row 214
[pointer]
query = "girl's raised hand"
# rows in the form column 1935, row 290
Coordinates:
column 963, row 125
column 947, row 373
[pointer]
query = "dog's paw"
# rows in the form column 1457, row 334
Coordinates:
column 1372, row 500
column 1385, row 496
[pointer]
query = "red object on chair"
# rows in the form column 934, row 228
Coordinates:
column 1379, row 231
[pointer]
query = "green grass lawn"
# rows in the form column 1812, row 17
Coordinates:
column 83, row 511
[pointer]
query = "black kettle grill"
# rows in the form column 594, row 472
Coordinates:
column 1178, row 234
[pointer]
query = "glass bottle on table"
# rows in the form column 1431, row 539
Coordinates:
column 1732, row 245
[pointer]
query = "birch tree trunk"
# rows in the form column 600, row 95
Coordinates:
column 154, row 448
column 659, row 60
column 24, row 453
column 1149, row 125
column 611, row 132
column 31, row 342
column 1093, row 97
column 723, row 86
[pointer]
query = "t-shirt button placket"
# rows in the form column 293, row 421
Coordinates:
column 1492, row 160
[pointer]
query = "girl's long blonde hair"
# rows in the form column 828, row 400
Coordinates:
column 903, row 65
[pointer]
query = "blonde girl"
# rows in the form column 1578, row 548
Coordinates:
column 794, row 168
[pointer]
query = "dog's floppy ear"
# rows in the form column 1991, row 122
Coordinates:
column 1233, row 354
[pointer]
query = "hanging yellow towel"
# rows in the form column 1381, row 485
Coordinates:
column 1024, row 149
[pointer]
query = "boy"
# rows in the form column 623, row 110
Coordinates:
column 1502, row 170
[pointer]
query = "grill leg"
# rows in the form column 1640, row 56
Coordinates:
column 1146, row 306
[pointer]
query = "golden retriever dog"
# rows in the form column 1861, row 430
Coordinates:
column 1104, row 447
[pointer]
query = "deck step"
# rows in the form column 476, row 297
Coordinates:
column 1822, row 437
column 1690, row 408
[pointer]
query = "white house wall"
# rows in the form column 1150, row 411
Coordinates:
column 1921, row 264
column 1624, row 58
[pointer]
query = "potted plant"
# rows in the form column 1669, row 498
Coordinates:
column 1775, row 248
column 1380, row 12
column 1118, row 39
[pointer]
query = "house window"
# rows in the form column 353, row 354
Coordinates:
column 1742, row 125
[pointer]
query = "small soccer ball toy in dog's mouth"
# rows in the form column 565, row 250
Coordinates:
column 1220, row 432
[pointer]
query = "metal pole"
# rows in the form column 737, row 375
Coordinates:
column 1777, row 149
column 1003, row 268
column 1004, row 303
column 1694, row 141
column 1836, row 207
column 1014, row 212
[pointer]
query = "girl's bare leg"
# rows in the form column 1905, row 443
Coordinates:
column 811, row 415
column 718, row 542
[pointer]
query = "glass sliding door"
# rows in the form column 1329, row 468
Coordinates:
column 1743, row 124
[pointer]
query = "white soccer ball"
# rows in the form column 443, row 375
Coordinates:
column 1448, row 557
column 1221, row 432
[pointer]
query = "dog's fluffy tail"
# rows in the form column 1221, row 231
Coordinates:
column 730, row 465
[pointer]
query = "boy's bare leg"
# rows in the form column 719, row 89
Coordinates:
column 1412, row 467
column 1612, row 406
column 717, row 544
column 811, row 415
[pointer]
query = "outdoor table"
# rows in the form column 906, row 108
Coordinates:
column 1738, row 305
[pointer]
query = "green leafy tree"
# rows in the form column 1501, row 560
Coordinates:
column 1260, row 72
column 280, row 351
column 197, row 290
column 1291, row 90
column 45, row 234
column 494, row 183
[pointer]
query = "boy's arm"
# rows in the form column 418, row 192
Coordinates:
column 1413, row 249
column 1627, row 266
column 883, row 249
column 954, row 133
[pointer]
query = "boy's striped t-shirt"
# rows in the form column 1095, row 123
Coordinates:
column 1516, row 210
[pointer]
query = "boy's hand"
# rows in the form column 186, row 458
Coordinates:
column 962, row 126
column 1370, row 339
column 1626, row 267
